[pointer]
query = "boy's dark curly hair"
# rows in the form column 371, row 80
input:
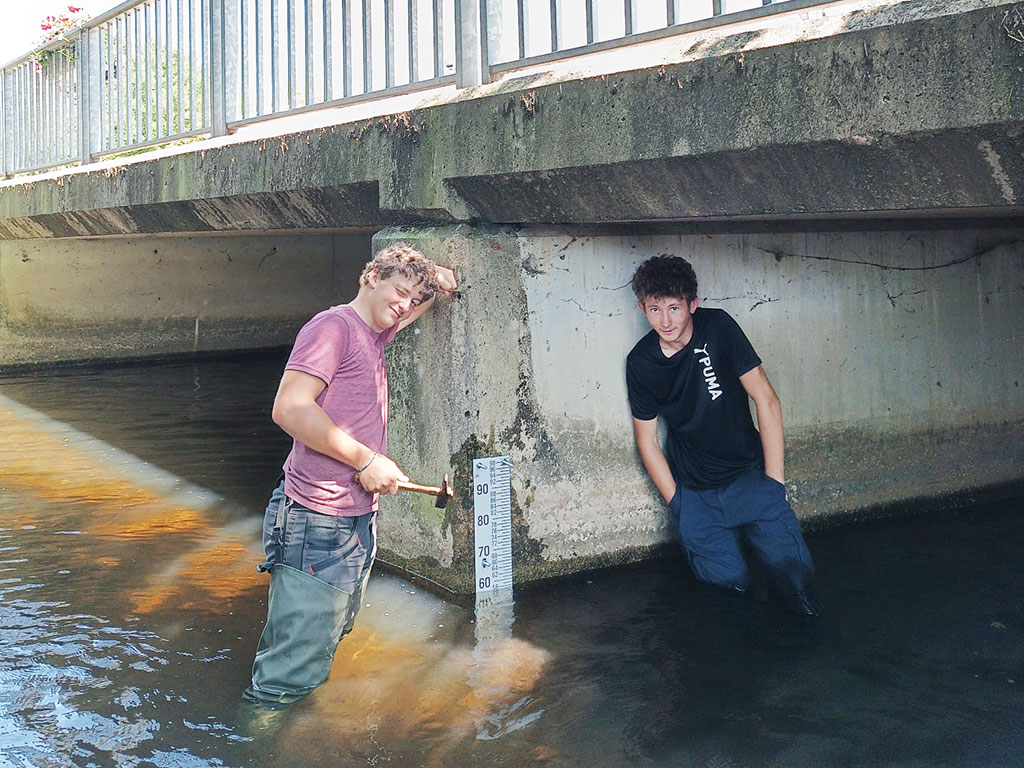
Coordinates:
column 665, row 276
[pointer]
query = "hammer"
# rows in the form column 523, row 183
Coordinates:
column 443, row 494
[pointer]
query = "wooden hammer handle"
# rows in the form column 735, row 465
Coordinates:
column 412, row 487
column 419, row 488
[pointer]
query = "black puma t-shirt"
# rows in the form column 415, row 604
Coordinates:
column 711, row 436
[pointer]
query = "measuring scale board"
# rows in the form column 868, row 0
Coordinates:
column 492, row 523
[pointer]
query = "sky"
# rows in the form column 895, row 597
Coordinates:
column 19, row 28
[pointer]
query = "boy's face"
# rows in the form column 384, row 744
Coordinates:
column 393, row 298
column 671, row 318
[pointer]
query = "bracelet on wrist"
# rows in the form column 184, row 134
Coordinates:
column 367, row 463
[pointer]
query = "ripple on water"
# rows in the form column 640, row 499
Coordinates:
column 60, row 704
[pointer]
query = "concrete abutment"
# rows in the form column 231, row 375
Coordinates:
column 896, row 354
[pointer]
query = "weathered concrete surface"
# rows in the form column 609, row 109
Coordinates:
column 911, row 109
column 82, row 299
column 897, row 355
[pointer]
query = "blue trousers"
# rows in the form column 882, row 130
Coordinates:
column 715, row 525
column 337, row 550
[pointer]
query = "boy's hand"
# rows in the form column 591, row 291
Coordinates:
column 382, row 476
column 446, row 282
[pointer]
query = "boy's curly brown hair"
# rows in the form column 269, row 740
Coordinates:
column 403, row 259
column 665, row 276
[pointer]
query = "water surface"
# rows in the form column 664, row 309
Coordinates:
column 130, row 503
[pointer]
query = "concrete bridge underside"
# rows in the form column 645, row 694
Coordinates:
column 848, row 185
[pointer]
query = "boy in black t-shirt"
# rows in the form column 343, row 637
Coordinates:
column 723, row 480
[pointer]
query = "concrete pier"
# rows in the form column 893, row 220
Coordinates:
column 897, row 356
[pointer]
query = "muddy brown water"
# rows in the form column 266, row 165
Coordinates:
column 130, row 504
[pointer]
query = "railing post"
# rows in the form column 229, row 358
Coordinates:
column 471, row 65
column 224, row 42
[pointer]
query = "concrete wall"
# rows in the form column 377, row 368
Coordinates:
column 79, row 299
column 897, row 355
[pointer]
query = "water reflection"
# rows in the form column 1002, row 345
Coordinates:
column 130, row 609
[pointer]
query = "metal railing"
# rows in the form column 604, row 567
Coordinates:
column 154, row 71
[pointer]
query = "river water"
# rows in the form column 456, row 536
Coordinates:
column 130, row 507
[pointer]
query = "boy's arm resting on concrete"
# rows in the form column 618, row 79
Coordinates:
column 769, row 421
column 646, row 433
column 446, row 284
column 297, row 413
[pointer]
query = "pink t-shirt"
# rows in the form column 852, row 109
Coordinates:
column 339, row 348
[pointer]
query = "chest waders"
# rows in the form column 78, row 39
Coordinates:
column 306, row 619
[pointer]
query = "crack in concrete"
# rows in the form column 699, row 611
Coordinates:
column 892, row 298
column 977, row 254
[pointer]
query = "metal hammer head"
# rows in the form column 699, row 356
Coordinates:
column 444, row 494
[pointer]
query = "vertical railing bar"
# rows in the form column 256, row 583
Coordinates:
column 179, row 118
column 48, row 108
column 147, row 101
column 414, row 41
column 308, row 50
column 90, row 112
column 191, row 123
column 554, row 25
column 38, row 126
column 521, row 26
column 243, row 74
column 591, row 31
column 205, row 40
column 35, row 127
column 168, row 73
column 27, row 121
column 367, row 47
column 108, row 102
column 389, row 43
column 484, row 53
column 438, row 8
column 63, row 127
column 43, row 105
column 258, row 46
column 118, row 83
column 159, row 68
column 290, row 42
column 307, row 69
column 328, row 16
column 124, row 82
column 23, row 122
column 630, row 12
column 217, row 45
column 38, row 135
column 51, row 104
column 346, row 48
column 275, row 57
column 70, row 121
column 17, row 113
column 670, row 13
column 31, row 125
column 135, row 75
column 150, row 70
column 94, row 111
column 25, row 125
